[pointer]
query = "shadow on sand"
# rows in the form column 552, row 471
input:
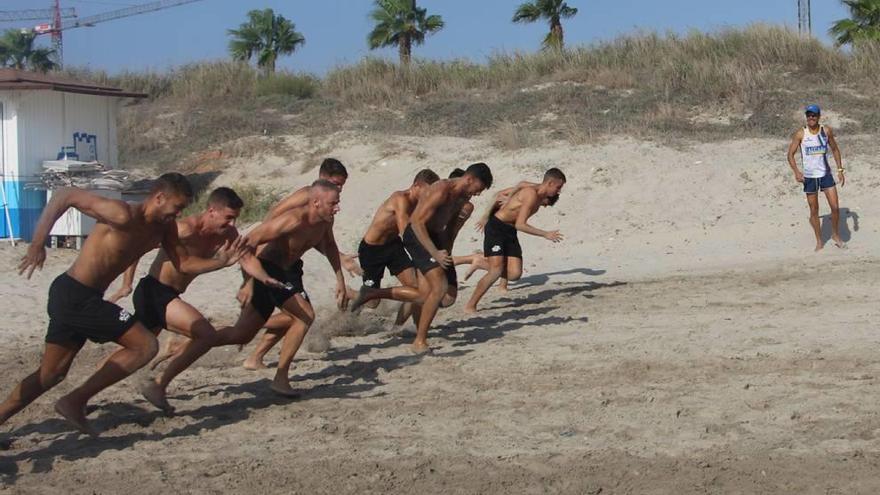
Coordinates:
column 845, row 216
column 349, row 381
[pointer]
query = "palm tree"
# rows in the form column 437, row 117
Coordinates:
column 401, row 23
column 553, row 11
column 17, row 51
column 863, row 24
column 265, row 36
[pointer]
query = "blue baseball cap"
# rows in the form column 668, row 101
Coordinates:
column 813, row 109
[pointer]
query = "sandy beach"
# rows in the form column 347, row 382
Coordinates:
column 684, row 338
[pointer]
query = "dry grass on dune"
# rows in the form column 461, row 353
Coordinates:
column 699, row 85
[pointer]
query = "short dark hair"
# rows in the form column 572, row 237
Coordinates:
column 326, row 185
column 456, row 173
column 552, row 199
column 172, row 183
column 225, row 197
column 480, row 171
column 554, row 173
column 331, row 167
column 426, row 176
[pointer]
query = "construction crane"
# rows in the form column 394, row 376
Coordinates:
column 34, row 14
column 56, row 28
column 805, row 27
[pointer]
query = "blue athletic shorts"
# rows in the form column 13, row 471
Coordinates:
column 814, row 185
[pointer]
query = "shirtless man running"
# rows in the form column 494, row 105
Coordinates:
column 501, row 244
column 381, row 246
column 287, row 237
column 331, row 170
column 427, row 240
column 77, row 310
column 465, row 210
column 157, row 299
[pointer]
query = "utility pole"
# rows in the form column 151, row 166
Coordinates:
column 805, row 27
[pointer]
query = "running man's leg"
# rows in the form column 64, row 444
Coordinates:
column 53, row 368
column 139, row 347
column 249, row 322
column 408, row 277
column 513, row 268
column 813, row 202
column 404, row 293
column 833, row 203
column 433, row 288
column 303, row 316
column 173, row 345
column 497, row 265
column 276, row 327
column 187, row 321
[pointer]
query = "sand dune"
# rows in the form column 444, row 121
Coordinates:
column 684, row 338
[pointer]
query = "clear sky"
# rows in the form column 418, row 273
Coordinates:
column 336, row 30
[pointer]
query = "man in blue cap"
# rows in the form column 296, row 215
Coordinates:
column 815, row 141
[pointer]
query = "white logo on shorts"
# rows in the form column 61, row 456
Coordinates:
column 496, row 248
column 124, row 315
column 369, row 283
column 433, row 260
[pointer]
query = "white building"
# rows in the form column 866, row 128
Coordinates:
column 43, row 118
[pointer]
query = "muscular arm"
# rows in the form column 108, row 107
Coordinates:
column 425, row 210
column 401, row 213
column 113, row 212
column 529, row 198
column 110, row 211
column 295, row 200
column 127, row 282
column 193, row 265
column 270, row 230
column 331, row 251
column 458, row 222
column 501, row 197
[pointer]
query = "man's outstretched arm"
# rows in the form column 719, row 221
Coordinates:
column 113, row 212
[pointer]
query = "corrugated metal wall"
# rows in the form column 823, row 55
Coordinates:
column 41, row 124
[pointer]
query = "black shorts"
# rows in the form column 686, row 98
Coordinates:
column 374, row 259
column 266, row 299
column 500, row 239
column 151, row 299
column 452, row 276
column 78, row 313
column 421, row 259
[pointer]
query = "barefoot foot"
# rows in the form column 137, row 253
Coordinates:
column 282, row 387
column 470, row 310
column 420, row 347
column 75, row 414
column 839, row 243
column 362, row 297
column 253, row 363
column 155, row 395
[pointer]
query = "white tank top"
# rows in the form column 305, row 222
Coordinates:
column 814, row 152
